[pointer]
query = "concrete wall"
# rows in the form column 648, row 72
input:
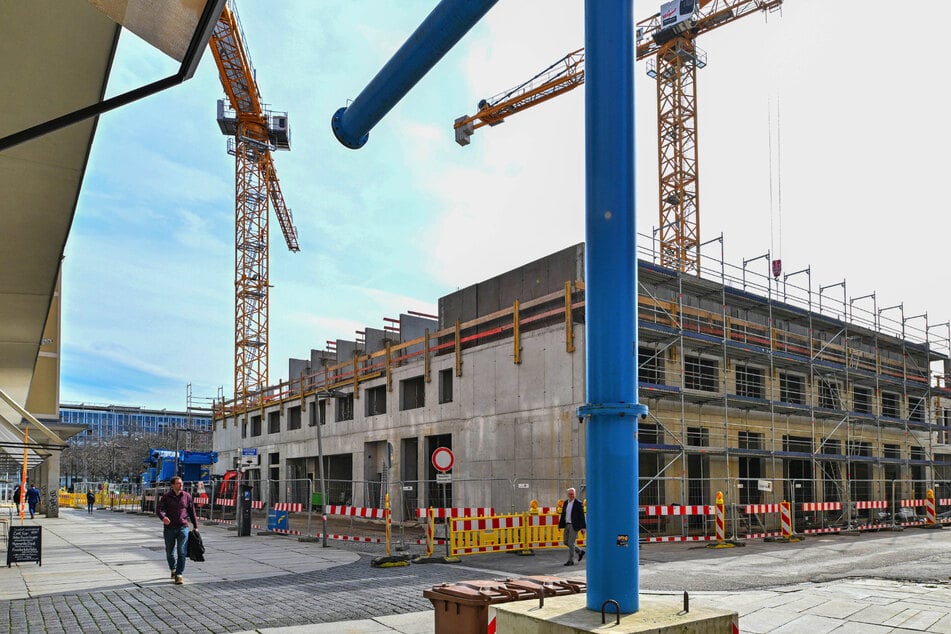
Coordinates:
column 535, row 279
column 506, row 421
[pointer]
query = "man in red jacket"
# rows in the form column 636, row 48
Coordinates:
column 175, row 508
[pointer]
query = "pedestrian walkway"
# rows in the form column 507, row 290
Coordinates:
column 106, row 572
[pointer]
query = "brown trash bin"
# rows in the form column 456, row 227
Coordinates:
column 463, row 607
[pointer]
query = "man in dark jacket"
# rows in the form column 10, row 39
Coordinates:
column 175, row 508
column 572, row 520
column 32, row 499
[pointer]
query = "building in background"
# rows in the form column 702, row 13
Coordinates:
column 104, row 422
column 760, row 386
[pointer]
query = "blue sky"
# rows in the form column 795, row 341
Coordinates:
column 849, row 165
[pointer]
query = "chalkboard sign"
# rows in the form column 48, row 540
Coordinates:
column 24, row 543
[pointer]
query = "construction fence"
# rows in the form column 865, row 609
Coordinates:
column 748, row 510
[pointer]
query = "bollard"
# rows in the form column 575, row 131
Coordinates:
column 721, row 529
column 785, row 519
column 721, row 541
column 929, row 508
column 386, row 520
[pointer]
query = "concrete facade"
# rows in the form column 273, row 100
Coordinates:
column 761, row 399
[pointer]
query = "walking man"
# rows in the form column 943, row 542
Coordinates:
column 90, row 500
column 32, row 498
column 572, row 520
column 175, row 508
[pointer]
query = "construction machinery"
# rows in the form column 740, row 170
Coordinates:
column 164, row 464
column 668, row 38
column 254, row 132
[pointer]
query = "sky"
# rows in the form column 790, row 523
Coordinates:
column 821, row 141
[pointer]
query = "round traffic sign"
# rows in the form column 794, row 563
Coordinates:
column 443, row 459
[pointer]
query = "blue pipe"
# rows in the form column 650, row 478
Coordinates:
column 611, row 413
column 439, row 32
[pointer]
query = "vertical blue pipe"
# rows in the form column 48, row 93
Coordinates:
column 610, row 412
column 439, row 32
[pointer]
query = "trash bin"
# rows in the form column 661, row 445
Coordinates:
column 317, row 500
column 277, row 520
column 463, row 607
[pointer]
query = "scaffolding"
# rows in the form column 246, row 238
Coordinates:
column 751, row 378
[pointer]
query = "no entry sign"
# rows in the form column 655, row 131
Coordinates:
column 443, row 459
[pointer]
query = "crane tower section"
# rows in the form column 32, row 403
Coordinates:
column 254, row 132
column 669, row 38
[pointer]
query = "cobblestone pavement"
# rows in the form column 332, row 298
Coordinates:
column 350, row 591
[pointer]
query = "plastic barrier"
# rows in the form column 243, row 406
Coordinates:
column 880, row 505
column 816, row 507
column 432, row 513
column 687, row 510
column 762, row 509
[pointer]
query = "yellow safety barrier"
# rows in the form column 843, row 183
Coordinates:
column 523, row 532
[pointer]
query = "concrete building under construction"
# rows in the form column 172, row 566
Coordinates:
column 762, row 387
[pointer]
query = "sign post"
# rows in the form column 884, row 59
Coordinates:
column 443, row 460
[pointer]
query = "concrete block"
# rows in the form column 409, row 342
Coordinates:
column 569, row 615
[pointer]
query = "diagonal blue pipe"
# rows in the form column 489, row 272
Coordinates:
column 610, row 412
column 439, row 32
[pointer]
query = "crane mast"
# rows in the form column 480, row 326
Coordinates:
column 254, row 132
column 668, row 38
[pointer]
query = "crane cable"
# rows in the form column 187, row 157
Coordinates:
column 775, row 208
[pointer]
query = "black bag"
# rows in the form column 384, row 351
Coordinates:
column 195, row 549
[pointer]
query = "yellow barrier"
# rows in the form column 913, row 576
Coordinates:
column 522, row 532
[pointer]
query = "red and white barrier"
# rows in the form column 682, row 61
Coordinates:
column 475, row 511
column 356, row 511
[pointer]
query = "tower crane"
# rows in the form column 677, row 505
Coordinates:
column 254, row 132
column 669, row 39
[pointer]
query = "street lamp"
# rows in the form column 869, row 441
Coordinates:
column 321, row 418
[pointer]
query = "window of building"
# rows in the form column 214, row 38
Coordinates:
column 749, row 440
column 799, row 444
column 649, row 433
column 412, row 393
column 274, row 422
column 445, row 385
column 375, row 401
column 831, row 447
column 916, row 409
column 861, row 399
column 891, row 451
column 698, row 437
column 701, row 374
column 749, row 381
column 650, row 366
column 890, row 407
column 858, row 448
column 829, row 397
column 918, row 474
column 244, row 428
column 293, row 418
column 255, row 426
column 344, row 407
column 791, row 388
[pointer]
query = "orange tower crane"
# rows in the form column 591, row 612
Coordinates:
column 669, row 38
column 254, row 132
